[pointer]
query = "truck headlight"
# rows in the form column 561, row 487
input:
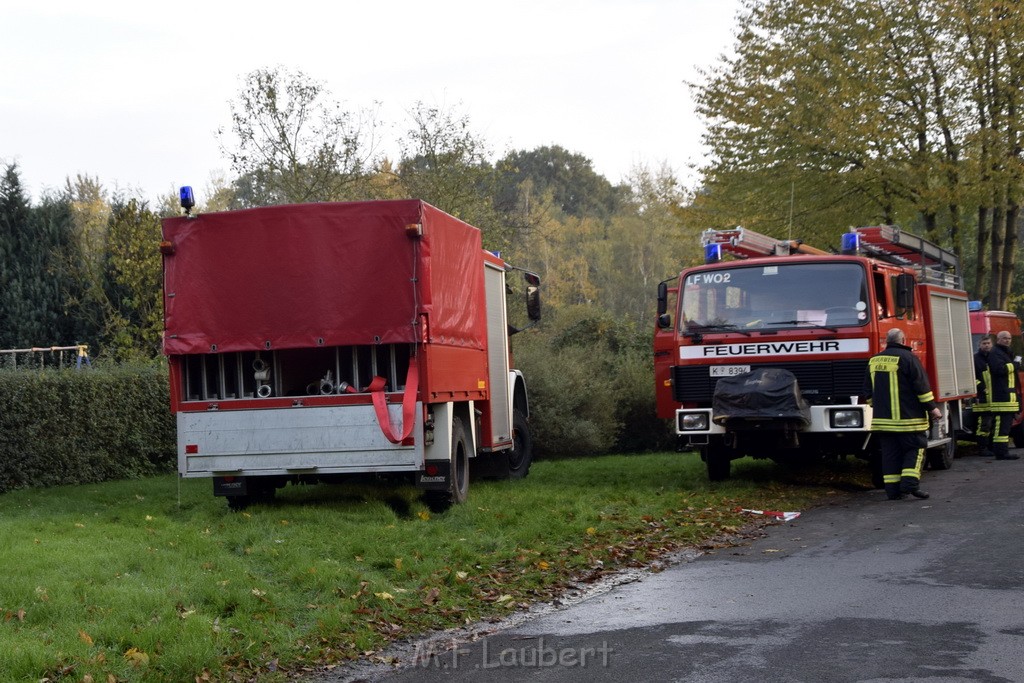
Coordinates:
column 847, row 418
column 693, row 422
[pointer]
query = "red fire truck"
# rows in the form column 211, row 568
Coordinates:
column 765, row 356
column 984, row 322
column 311, row 342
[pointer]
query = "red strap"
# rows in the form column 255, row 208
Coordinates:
column 380, row 406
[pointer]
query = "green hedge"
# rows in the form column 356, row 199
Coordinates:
column 590, row 378
column 75, row 427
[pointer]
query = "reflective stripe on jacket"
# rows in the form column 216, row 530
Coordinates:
column 1000, row 383
column 898, row 390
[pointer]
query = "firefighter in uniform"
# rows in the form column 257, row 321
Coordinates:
column 982, row 413
column 898, row 390
column 1001, row 398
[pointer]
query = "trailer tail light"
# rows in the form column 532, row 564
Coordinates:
column 191, row 448
column 431, row 470
column 166, row 247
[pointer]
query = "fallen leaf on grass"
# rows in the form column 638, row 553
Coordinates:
column 136, row 657
column 385, row 596
column 431, row 597
column 85, row 638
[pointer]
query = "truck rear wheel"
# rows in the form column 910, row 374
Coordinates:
column 521, row 455
column 941, row 457
column 458, row 489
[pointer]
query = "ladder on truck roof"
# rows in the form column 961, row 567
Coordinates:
column 886, row 243
column 891, row 244
column 743, row 243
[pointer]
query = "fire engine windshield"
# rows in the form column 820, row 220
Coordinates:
column 775, row 297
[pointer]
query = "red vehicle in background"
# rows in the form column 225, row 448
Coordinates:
column 990, row 323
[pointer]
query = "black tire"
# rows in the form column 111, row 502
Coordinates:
column 521, row 456
column 458, row 490
column 941, row 457
column 875, row 463
column 717, row 461
column 238, row 503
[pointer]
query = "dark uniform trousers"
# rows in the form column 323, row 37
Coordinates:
column 902, row 459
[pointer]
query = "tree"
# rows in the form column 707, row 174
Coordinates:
column 851, row 112
column 576, row 188
column 32, row 282
column 444, row 162
column 292, row 143
column 134, row 294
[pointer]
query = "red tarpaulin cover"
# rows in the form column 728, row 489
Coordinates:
column 346, row 273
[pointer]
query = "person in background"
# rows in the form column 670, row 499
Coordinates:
column 982, row 413
column 1001, row 394
column 901, row 397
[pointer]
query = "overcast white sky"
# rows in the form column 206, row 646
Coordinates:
column 133, row 92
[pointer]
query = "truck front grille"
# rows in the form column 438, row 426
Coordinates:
column 821, row 382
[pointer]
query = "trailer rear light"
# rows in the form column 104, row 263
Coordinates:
column 846, row 419
column 191, row 448
column 431, row 470
column 693, row 422
column 166, row 247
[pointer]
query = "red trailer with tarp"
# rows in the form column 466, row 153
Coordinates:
column 310, row 342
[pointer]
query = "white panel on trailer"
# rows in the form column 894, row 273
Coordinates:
column 497, row 354
column 328, row 439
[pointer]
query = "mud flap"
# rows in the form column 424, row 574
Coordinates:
column 230, row 486
column 438, row 478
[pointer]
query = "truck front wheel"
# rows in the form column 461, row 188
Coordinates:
column 521, row 455
column 717, row 461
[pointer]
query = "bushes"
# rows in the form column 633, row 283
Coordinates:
column 591, row 384
column 72, row 427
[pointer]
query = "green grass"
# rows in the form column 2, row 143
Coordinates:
column 155, row 580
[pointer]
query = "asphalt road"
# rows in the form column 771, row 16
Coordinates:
column 862, row 590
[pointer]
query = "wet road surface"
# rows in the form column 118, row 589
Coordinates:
column 862, row 590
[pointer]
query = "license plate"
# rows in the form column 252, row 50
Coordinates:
column 728, row 370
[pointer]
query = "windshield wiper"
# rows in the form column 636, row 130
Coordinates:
column 804, row 323
column 727, row 327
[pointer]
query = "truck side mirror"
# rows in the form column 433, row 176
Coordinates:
column 664, row 319
column 905, row 291
column 532, row 296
